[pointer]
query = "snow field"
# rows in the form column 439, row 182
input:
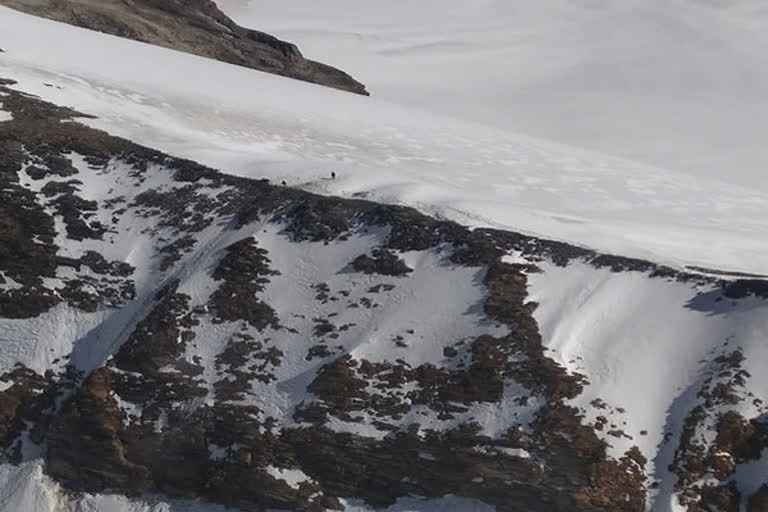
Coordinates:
column 467, row 171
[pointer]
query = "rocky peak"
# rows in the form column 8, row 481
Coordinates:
column 198, row 27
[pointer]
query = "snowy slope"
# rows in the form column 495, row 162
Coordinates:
column 645, row 344
column 29, row 490
column 678, row 84
column 241, row 120
column 651, row 346
column 375, row 312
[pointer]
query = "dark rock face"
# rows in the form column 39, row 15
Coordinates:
column 759, row 501
column 26, row 402
column 737, row 440
column 382, row 262
column 243, row 272
column 157, row 417
column 192, row 26
column 86, row 449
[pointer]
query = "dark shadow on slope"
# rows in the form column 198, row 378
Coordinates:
column 735, row 297
column 92, row 350
column 662, row 496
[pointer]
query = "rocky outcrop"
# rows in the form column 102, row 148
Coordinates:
column 381, row 262
column 737, row 440
column 194, row 26
column 758, row 502
column 185, row 405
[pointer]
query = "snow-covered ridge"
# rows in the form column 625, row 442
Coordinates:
column 270, row 318
column 240, row 120
column 118, row 210
column 297, row 350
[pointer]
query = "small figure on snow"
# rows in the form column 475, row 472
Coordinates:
column 283, row 183
column 333, row 175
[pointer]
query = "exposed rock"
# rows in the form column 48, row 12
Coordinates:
column 157, row 417
column 242, row 272
column 85, row 450
column 737, row 440
column 723, row 498
column 381, row 261
column 758, row 502
column 25, row 404
column 192, row 26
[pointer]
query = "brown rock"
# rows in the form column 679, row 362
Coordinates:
column 758, row 502
column 192, row 26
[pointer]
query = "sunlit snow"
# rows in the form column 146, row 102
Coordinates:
column 258, row 125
